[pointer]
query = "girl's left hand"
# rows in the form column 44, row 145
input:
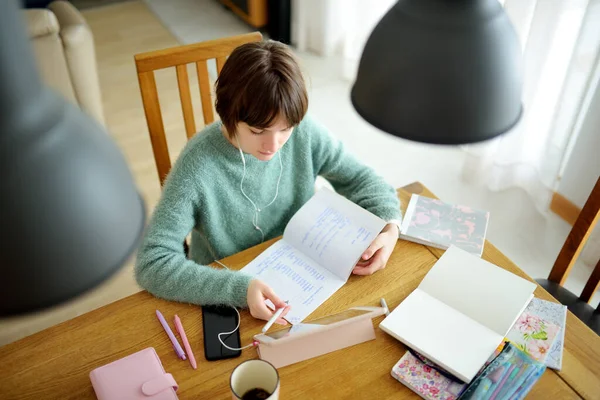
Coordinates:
column 379, row 252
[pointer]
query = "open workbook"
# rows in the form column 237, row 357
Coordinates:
column 460, row 313
column 320, row 247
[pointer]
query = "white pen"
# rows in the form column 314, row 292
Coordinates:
column 384, row 305
column 273, row 319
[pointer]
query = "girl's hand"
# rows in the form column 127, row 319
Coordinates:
column 379, row 252
column 258, row 292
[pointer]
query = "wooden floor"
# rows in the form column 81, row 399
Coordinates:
column 120, row 31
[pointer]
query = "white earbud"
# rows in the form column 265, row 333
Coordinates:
column 256, row 209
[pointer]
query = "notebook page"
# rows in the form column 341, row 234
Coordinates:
column 479, row 289
column 333, row 231
column 294, row 277
column 445, row 336
column 410, row 210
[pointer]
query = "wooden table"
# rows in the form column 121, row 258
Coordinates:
column 55, row 363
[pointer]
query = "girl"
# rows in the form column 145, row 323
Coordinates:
column 239, row 181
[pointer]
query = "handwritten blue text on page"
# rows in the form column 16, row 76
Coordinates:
column 294, row 277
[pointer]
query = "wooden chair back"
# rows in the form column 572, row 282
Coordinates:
column 179, row 57
column 588, row 217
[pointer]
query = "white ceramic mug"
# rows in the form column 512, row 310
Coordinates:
column 254, row 374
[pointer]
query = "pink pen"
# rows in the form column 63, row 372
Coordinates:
column 178, row 350
column 186, row 343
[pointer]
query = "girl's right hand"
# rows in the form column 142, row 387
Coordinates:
column 258, row 292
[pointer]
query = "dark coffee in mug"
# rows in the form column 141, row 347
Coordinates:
column 256, row 394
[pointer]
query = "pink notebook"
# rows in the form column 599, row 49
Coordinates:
column 135, row 377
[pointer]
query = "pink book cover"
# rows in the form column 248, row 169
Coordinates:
column 435, row 223
column 424, row 380
column 138, row 376
column 534, row 335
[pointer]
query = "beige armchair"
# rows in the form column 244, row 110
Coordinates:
column 64, row 50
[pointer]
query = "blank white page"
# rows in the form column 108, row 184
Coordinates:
column 333, row 231
column 479, row 289
column 445, row 336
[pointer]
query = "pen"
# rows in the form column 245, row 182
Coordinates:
column 273, row 318
column 176, row 345
column 521, row 377
column 495, row 376
column 384, row 305
column 502, row 382
column 510, row 381
column 186, row 343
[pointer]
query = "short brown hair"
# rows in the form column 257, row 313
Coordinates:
column 259, row 82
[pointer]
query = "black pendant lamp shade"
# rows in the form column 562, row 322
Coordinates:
column 441, row 71
column 70, row 214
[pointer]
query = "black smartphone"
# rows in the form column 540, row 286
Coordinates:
column 215, row 320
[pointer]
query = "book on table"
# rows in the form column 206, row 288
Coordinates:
column 540, row 332
column 460, row 313
column 320, row 247
column 438, row 224
column 425, row 381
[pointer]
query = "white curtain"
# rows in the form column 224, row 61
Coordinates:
column 561, row 49
column 561, row 46
column 560, row 41
column 336, row 28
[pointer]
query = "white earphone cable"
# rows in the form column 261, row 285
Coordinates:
column 239, row 319
column 257, row 210
column 255, row 223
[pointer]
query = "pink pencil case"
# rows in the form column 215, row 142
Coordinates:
column 139, row 376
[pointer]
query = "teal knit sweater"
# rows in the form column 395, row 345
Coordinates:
column 202, row 195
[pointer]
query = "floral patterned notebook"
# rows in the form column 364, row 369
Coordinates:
column 438, row 224
column 424, row 380
column 540, row 332
column 533, row 335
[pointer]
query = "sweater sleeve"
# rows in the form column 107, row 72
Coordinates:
column 162, row 267
column 349, row 177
